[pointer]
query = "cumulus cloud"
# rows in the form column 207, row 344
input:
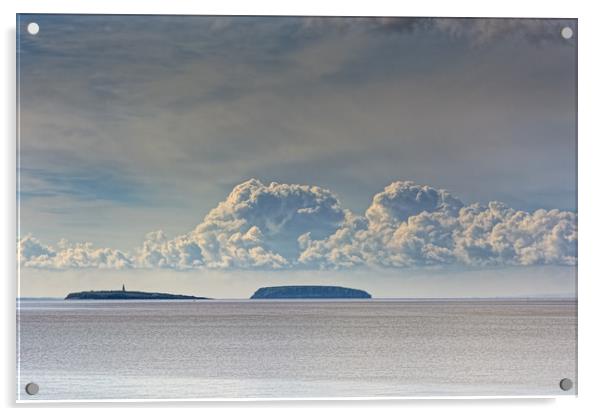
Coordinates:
column 158, row 251
column 401, row 200
column 257, row 226
column 32, row 253
column 409, row 225
column 279, row 226
column 497, row 234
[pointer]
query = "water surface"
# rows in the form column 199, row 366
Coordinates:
column 267, row 349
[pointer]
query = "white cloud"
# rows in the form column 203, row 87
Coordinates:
column 32, row 253
column 409, row 225
column 290, row 226
column 257, row 226
column 497, row 234
column 158, row 251
column 401, row 200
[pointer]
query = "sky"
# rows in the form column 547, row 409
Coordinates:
column 213, row 155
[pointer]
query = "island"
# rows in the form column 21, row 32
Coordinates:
column 127, row 295
column 309, row 292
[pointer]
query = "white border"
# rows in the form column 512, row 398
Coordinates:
column 295, row 399
column 589, row 194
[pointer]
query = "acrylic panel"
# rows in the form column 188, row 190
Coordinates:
column 227, row 207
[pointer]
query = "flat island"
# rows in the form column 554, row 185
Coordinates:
column 309, row 292
column 125, row 295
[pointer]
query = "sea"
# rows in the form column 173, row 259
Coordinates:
column 237, row 349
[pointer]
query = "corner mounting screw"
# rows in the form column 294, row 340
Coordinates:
column 32, row 389
column 566, row 384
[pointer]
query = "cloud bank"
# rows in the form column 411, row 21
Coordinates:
column 32, row 253
column 256, row 226
column 286, row 226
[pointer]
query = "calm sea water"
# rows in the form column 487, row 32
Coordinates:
column 267, row 349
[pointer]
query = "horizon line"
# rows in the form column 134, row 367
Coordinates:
column 525, row 297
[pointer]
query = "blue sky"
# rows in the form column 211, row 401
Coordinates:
column 131, row 124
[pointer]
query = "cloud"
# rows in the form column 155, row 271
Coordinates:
column 409, row 225
column 477, row 31
column 280, row 226
column 401, row 200
column 158, row 251
column 257, row 226
column 498, row 234
column 32, row 253
column 485, row 31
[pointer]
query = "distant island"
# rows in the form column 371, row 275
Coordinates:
column 126, row 295
column 309, row 292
